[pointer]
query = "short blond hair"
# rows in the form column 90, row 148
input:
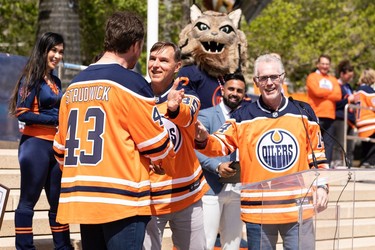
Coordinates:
column 367, row 77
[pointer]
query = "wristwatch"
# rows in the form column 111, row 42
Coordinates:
column 325, row 187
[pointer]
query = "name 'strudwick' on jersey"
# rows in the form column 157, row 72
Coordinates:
column 271, row 144
column 86, row 94
column 185, row 185
column 109, row 131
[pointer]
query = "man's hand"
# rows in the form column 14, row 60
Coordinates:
column 225, row 171
column 201, row 133
column 156, row 168
column 175, row 96
column 320, row 199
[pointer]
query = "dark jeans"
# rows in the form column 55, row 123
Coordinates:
column 327, row 129
column 368, row 152
column 126, row 234
column 264, row 237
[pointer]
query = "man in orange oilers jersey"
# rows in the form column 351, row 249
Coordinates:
column 275, row 137
column 109, row 130
column 176, row 197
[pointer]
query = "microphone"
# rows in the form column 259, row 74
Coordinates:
column 347, row 161
column 307, row 133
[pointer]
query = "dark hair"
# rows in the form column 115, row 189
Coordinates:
column 35, row 69
column 123, row 29
column 344, row 67
column 234, row 76
column 161, row 45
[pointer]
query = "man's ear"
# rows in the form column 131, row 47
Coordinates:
column 255, row 81
column 178, row 66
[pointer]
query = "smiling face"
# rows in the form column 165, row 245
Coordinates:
column 270, row 89
column 54, row 56
column 233, row 93
column 324, row 65
column 161, row 67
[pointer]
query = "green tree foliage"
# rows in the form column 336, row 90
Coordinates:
column 93, row 15
column 301, row 30
column 18, row 20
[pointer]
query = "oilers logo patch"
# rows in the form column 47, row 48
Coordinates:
column 174, row 133
column 277, row 150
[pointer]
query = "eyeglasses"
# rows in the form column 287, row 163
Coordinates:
column 273, row 78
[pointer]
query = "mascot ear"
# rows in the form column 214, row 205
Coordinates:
column 195, row 13
column 235, row 16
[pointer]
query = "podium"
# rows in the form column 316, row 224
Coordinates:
column 344, row 224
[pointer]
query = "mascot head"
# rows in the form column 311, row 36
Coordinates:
column 213, row 41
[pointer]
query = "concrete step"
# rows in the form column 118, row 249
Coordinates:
column 364, row 243
column 10, row 178
column 40, row 224
column 41, row 242
column 360, row 227
column 14, row 196
column 344, row 210
column 9, row 158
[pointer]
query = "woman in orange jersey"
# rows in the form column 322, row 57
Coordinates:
column 35, row 101
column 365, row 118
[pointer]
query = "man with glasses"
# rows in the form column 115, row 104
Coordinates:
column 275, row 137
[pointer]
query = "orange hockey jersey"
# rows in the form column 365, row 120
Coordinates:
column 271, row 145
column 186, row 184
column 365, row 118
column 109, row 129
column 323, row 91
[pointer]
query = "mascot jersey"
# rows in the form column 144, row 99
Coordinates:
column 186, row 184
column 206, row 87
column 109, row 130
column 271, row 145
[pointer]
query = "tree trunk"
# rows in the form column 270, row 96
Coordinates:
column 61, row 16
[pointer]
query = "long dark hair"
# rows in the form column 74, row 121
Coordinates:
column 35, row 69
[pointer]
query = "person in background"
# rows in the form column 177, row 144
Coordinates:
column 221, row 204
column 345, row 74
column 257, row 128
column 176, row 196
column 323, row 91
column 110, row 133
column 365, row 117
column 35, row 101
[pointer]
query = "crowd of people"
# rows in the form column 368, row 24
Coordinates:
column 122, row 157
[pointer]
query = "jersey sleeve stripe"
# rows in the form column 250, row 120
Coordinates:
column 190, row 186
column 156, row 150
column 162, row 156
column 152, row 140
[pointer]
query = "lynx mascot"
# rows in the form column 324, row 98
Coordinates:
column 212, row 46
